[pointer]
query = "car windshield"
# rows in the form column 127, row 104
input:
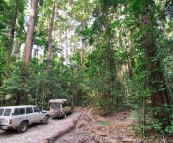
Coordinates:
column 57, row 106
column 1, row 111
column 53, row 106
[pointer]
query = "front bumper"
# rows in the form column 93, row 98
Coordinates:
column 55, row 115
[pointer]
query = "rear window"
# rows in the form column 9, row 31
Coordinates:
column 1, row 111
column 7, row 112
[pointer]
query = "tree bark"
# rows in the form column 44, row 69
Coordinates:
column 83, row 54
column 131, row 61
column 49, row 55
column 12, row 31
column 155, row 79
column 29, row 44
column 30, row 31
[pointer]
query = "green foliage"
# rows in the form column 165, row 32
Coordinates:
column 169, row 129
column 3, row 58
column 103, row 123
column 146, row 116
column 3, row 6
column 39, row 87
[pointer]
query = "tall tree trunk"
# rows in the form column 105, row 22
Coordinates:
column 155, row 79
column 83, row 54
column 61, row 53
column 28, row 43
column 131, row 61
column 12, row 31
column 49, row 55
column 17, row 48
column 30, row 31
column 66, row 44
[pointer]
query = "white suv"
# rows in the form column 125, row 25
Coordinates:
column 19, row 117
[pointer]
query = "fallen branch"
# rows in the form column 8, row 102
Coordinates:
column 52, row 139
column 127, row 140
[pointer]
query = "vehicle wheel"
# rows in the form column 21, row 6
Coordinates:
column 22, row 127
column 46, row 120
column 64, row 116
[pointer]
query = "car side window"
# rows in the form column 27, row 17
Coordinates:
column 22, row 111
column 36, row 109
column 63, row 105
column 1, row 111
column 66, row 103
column 19, row 111
column 7, row 112
column 29, row 110
column 69, row 103
column 52, row 106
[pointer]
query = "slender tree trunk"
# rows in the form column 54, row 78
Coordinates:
column 83, row 53
column 50, row 38
column 66, row 43
column 29, row 43
column 61, row 53
column 49, row 55
column 9, row 48
column 17, row 48
column 17, row 99
column 131, row 61
column 30, row 31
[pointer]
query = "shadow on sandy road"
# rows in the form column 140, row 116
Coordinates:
column 13, row 131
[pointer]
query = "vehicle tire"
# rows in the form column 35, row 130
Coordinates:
column 64, row 116
column 22, row 127
column 46, row 119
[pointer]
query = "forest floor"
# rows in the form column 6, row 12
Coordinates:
column 117, row 128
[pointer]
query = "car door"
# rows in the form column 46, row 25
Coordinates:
column 18, row 116
column 38, row 116
column 30, row 115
